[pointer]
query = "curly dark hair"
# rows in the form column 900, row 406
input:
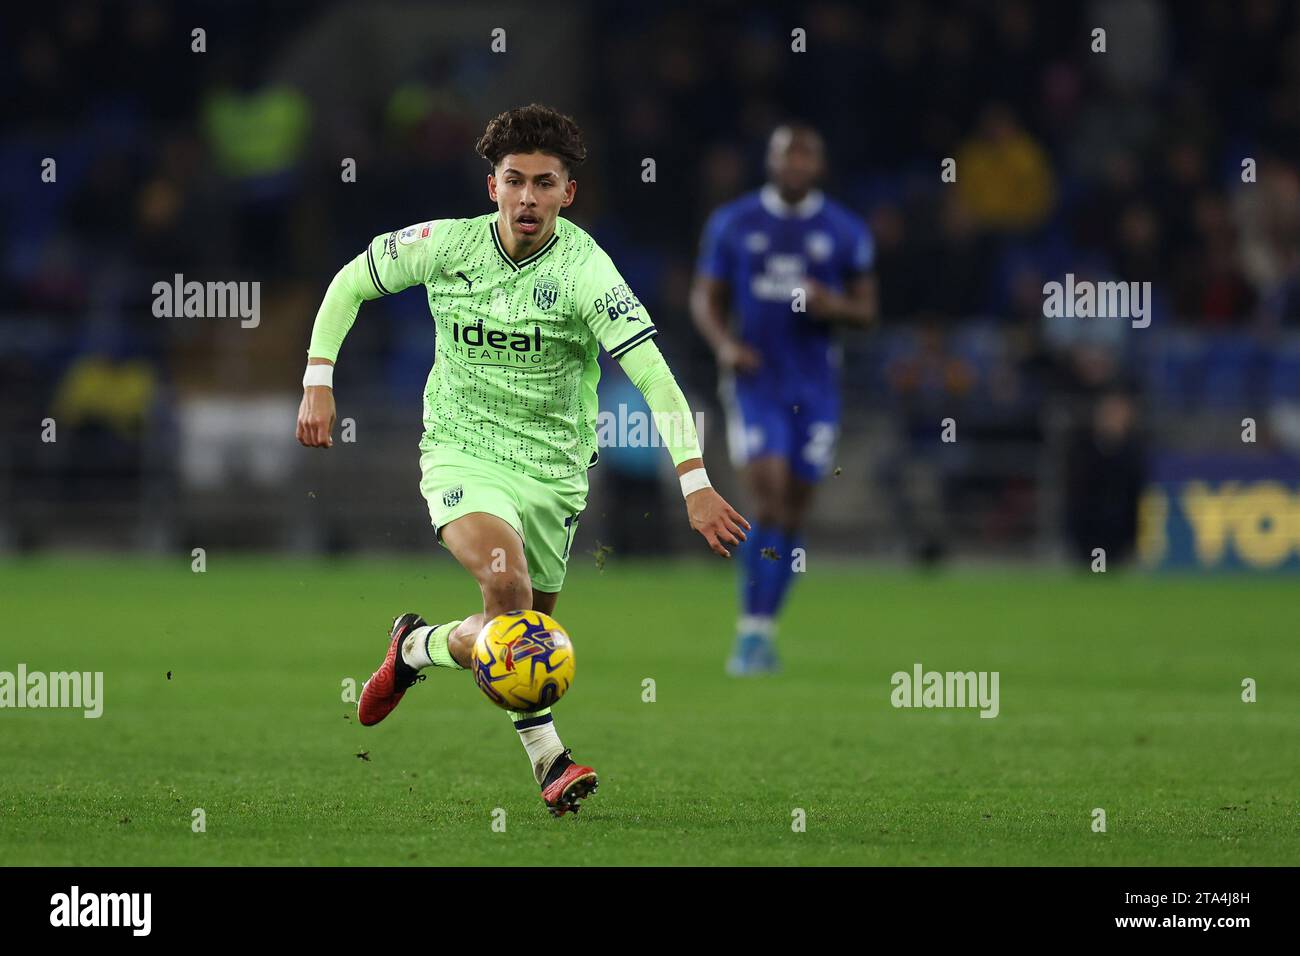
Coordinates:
column 533, row 129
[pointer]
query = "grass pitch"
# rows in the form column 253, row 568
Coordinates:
column 1120, row 693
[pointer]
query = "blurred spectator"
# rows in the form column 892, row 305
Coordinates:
column 1104, row 472
column 930, row 386
column 1004, row 176
column 101, row 408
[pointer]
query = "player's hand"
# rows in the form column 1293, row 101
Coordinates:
column 316, row 417
column 735, row 355
column 712, row 517
column 823, row 302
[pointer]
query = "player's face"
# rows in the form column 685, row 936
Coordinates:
column 530, row 189
column 795, row 161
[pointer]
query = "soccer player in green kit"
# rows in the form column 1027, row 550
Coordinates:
column 522, row 300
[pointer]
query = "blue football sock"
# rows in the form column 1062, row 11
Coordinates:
column 769, row 572
column 756, row 570
column 783, row 573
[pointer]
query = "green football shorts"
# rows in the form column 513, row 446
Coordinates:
column 544, row 512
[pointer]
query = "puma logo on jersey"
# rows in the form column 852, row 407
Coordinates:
column 468, row 281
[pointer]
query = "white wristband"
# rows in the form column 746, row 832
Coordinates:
column 694, row 480
column 319, row 375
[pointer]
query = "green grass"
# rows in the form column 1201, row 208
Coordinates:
column 1120, row 693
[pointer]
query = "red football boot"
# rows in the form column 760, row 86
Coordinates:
column 384, row 690
column 566, row 784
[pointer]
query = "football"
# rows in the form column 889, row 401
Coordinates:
column 523, row 660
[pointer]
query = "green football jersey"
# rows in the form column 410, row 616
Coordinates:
column 516, row 357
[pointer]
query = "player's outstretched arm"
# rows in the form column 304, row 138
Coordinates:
column 709, row 513
column 338, row 310
column 389, row 264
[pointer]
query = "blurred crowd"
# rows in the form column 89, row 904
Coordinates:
column 1169, row 158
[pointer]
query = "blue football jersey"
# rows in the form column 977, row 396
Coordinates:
column 763, row 248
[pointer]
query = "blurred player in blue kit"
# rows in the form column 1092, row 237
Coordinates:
column 779, row 361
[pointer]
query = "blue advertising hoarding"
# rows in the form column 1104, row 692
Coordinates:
column 1216, row 512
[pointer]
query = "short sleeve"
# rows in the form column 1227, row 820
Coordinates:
column 715, row 259
column 610, row 308
column 404, row 257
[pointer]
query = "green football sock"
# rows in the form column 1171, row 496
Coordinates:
column 517, row 716
column 439, row 653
